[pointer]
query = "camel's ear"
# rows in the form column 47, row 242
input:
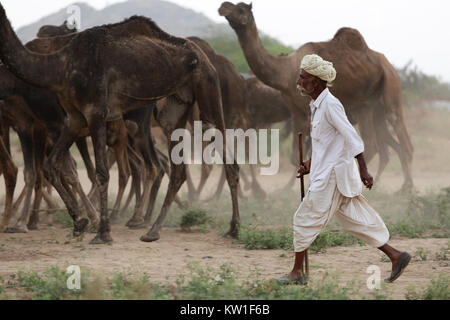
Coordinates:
column 250, row 5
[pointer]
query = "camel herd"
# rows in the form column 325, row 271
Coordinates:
column 117, row 82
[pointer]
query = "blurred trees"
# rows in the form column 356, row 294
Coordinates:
column 418, row 87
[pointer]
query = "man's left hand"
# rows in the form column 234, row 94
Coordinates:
column 366, row 178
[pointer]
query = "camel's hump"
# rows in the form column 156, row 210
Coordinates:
column 351, row 37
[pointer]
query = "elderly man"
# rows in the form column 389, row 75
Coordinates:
column 335, row 183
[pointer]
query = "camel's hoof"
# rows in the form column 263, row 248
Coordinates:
column 80, row 227
column 150, row 236
column 102, row 238
column 135, row 223
column 17, row 229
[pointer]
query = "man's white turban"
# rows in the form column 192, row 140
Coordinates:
column 316, row 66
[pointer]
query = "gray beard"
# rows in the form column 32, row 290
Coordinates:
column 302, row 91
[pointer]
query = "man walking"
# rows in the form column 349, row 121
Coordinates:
column 335, row 183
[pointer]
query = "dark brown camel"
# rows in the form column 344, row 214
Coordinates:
column 38, row 119
column 87, row 75
column 365, row 79
column 266, row 106
column 53, row 31
column 233, row 102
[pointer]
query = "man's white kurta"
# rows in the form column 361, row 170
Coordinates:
column 335, row 183
column 335, row 143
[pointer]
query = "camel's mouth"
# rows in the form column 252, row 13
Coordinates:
column 226, row 9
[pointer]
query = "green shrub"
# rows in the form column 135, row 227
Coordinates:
column 193, row 217
column 63, row 218
column 420, row 254
column 283, row 239
column 438, row 289
column 51, row 286
column 266, row 239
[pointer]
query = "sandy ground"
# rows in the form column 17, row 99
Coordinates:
column 167, row 258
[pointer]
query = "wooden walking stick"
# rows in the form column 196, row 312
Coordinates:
column 305, row 267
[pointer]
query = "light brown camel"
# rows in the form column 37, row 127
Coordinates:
column 365, row 80
column 87, row 75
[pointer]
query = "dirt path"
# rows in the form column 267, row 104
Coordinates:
column 167, row 258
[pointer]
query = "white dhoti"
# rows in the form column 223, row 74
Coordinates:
column 354, row 214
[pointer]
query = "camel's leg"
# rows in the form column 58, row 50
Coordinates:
column 130, row 197
column 93, row 194
column 4, row 132
column 51, row 205
column 190, row 184
column 392, row 100
column 208, row 95
column 71, row 175
column 121, row 155
column 153, row 193
column 136, row 165
column 84, row 152
column 19, row 200
column 137, row 220
column 164, row 169
column 39, row 138
column 26, row 142
column 52, row 172
column 177, row 176
column 97, row 128
column 9, row 171
column 135, row 189
column 368, row 131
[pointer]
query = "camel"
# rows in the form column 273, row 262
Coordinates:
column 246, row 104
column 365, row 80
column 38, row 119
column 53, row 31
column 233, row 102
column 88, row 77
column 266, row 106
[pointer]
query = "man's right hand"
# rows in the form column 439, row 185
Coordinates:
column 304, row 169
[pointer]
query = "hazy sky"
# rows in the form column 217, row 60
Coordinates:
column 401, row 29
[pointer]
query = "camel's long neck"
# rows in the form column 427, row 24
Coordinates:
column 36, row 69
column 269, row 69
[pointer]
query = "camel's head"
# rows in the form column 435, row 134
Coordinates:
column 53, row 31
column 238, row 15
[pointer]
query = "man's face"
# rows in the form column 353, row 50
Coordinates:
column 306, row 83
